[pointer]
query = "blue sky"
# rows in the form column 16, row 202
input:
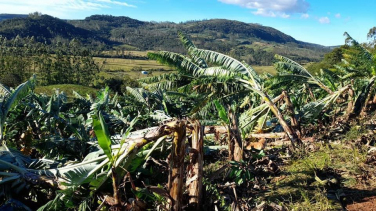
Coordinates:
column 316, row 21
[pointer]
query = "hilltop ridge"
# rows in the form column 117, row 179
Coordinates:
column 251, row 42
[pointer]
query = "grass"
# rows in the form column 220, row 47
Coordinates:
column 129, row 51
column 135, row 75
column 265, row 69
column 118, row 64
column 67, row 89
column 126, row 47
column 127, row 65
column 355, row 131
column 120, row 68
column 298, row 189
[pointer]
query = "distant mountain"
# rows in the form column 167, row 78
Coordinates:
column 253, row 43
column 10, row 16
column 240, row 29
column 46, row 28
column 228, row 36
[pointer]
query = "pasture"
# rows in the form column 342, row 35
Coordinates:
column 118, row 67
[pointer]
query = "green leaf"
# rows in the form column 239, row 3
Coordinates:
column 262, row 153
column 102, row 134
column 248, row 175
column 157, row 143
column 221, row 112
column 128, row 131
column 238, row 173
column 240, row 181
column 232, row 173
column 190, row 48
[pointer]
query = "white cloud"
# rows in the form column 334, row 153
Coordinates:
column 305, row 16
column 324, row 20
column 272, row 8
column 59, row 8
column 116, row 2
column 338, row 15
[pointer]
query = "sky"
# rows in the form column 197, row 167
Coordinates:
column 315, row 21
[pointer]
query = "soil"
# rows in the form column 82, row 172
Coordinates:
column 367, row 204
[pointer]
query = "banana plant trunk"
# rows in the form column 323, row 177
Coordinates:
column 368, row 93
column 350, row 104
column 235, row 140
column 374, row 99
column 195, row 168
column 290, row 109
column 2, row 123
column 293, row 136
column 176, row 174
column 116, row 195
column 1, row 133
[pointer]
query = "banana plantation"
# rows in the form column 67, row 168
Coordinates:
column 212, row 135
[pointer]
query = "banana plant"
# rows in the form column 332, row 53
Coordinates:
column 289, row 70
column 9, row 98
column 360, row 64
column 20, row 171
column 235, row 144
column 229, row 77
column 104, row 141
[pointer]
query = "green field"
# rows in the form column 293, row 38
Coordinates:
column 265, row 69
column 132, row 52
column 118, row 64
column 118, row 67
column 67, row 89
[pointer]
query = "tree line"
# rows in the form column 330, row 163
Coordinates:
column 61, row 63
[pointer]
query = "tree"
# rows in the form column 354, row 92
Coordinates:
column 372, row 35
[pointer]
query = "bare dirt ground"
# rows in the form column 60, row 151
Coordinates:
column 367, row 204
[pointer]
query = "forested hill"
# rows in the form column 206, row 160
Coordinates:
column 240, row 29
column 254, row 43
column 227, row 36
column 110, row 25
column 45, row 28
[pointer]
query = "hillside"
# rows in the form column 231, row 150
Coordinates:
column 254, row 43
column 249, row 42
column 46, row 28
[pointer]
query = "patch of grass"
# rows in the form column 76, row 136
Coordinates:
column 135, row 75
column 265, row 69
column 355, row 132
column 67, row 89
column 118, row 64
column 297, row 188
column 126, row 47
column 129, row 66
column 129, row 50
column 313, row 200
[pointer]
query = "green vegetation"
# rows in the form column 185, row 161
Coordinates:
column 48, row 29
column 117, row 64
column 67, row 89
column 198, row 135
column 64, row 63
column 307, row 182
column 254, row 43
